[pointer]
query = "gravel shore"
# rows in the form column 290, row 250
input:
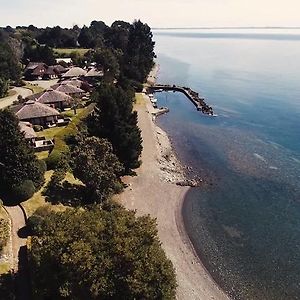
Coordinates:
column 154, row 191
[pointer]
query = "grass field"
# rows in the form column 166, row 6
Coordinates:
column 139, row 98
column 38, row 200
column 80, row 51
column 4, row 268
column 34, row 88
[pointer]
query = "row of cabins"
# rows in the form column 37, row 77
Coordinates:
column 39, row 71
column 44, row 109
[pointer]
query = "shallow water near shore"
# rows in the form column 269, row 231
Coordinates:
column 244, row 222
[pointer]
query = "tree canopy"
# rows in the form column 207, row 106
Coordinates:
column 37, row 53
column 98, row 254
column 101, row 170
column 139, row 55
column 9, row 64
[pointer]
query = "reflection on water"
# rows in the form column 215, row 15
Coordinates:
column 245, row 220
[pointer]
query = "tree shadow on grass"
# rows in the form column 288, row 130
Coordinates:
column 65, row 193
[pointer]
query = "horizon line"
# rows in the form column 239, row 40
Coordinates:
column 228, row 27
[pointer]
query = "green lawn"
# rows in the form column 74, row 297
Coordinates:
column 67, row 51
column 34, row 88
column 42, row 155
column 38, row 200
column 4, row 268
column 3, row 214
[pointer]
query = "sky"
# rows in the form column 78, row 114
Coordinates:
column 157, row 13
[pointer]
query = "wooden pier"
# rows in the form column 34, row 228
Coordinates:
column 194, row 97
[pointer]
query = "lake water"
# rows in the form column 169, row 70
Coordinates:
column 244, row 221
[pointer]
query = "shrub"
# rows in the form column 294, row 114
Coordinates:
column 37, row 128
column 42, row 165
column 24, row 191
column 4, row 233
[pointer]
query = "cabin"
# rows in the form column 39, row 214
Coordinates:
column 36, row 113
column 35, row 71
column 56, row 99
column 29, row 134
column 93, row 74
column 70, row 90
column 74, row 72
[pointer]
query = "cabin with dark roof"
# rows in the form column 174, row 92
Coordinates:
column 35, row 71
column 36, row 113
column 70, row 90
column 56, row 99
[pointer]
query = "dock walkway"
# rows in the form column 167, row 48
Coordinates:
column 194, row 97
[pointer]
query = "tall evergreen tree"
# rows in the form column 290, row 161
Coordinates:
column 19, row 166
column 140, row 52
column 9, row 65
column 114, row 119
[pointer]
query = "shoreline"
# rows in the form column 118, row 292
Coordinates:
column 154, row 191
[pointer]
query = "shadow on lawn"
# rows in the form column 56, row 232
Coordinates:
column 66, row 193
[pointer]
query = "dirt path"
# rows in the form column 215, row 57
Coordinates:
column 7, row 101
column 19, row 252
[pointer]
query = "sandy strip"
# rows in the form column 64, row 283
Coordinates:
column 154, row 192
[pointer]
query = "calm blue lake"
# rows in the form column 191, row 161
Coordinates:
column 245, row 220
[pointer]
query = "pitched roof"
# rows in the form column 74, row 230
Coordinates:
column 34, row 96
column 73, row 81
column 35, row 68
column 75, row 72
column 51, row 96
column 51, row 71
column 33, row 65
column 33, row 109
column 93, row 72
column 60, row 68
column 68, row 89
column 27, row 129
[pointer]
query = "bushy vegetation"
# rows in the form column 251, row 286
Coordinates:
column 4, row 233
column 104, row 253
column 101, row 170
column 18, row 162
column 3, row 87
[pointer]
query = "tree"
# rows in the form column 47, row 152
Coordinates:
column 107, row 59
column 139, row 54
column 18, row 163
column 85, row 38
column 101, row 168
column 9, row 65
column 113, row 119
column 98, row 254
column 39, row 54
column 3, row 87
column 117, row 35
